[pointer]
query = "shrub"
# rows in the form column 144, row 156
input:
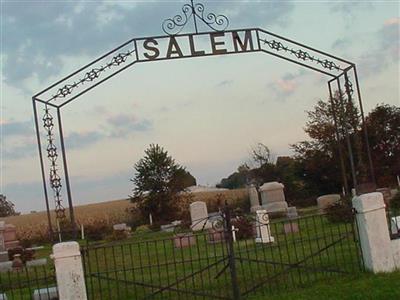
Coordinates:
column 117, row 235
column 97, row 230
column 340, row 212
column 143, row 229
column 244, row 226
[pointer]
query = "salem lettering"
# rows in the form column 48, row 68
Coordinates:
column 189, row 45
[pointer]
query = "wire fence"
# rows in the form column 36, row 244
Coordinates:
column 255, row 257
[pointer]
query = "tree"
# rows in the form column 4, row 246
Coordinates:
column 320, row 164
column 383, row 125
column 237, row 179
column 6, row 207
column 157, row 181
column 260, row 154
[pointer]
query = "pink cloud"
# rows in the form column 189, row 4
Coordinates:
column 287, row 86
column 392, row 21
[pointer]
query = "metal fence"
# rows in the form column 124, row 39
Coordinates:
column 32, row 282
column 210, row 264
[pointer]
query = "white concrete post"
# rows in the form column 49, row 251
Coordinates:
column 374, row 232
column 69, row 271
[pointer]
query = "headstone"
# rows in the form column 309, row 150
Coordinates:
column 6, row 266
column 183, row 240
column 37, row 262
column 9, row 234
column 121, row 227
column 167, row 228
column 234, row 233
column 273, row 197
column 50, row 293
column 327, row 200
column 199, row 216
column 3, row 297
column 2, row 244
column 292, row 226
column 263, row 229
column 254, row 199
column 215, row 220
column 395, row 225
column 215, row 236
column 4, row 256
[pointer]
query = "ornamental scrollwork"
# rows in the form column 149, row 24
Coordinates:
column 174, row 25
column 92, row 75
column 215, row 22
column 302, row 55
column 52, row 155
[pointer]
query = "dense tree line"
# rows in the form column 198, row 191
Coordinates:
column 316, row 168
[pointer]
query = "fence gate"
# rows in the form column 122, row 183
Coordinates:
column 211, row 265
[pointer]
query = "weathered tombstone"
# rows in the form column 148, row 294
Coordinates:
column 215, row 236
column 292, row 226
column 167, row 228
column 199, row 216
column 215, row 220
column 50, row 293
column 5, row 266
column 37, row 262
column 262, row 228
column 4, row 256
column 327, row 200
column 273, row 197
column 10, row 237
column 121, row 226
column 183, row 240
column 254, row 199
column 395, row 225
column 2, row 227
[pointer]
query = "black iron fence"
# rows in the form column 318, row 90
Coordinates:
column 28, row 282
column 255, row 257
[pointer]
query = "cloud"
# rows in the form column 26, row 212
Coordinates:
column 83, row 139
column 284, row 87
column 350, row 8
column 340, row 43
column 17, row 128
column 392, row 21
column 38, row 35
column 386, row 51
column 124, row 124
column 19, row 151
column 224, row 83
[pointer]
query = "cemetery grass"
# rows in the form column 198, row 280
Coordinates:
column 360, row 286
column 155, row 249
column 123, row 261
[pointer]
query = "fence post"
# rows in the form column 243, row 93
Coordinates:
column 69, row 271
column 231, row 253
column 374, row 232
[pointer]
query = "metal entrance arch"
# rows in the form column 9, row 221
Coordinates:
column 343, row 86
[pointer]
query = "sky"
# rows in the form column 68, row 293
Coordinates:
column 206, row 112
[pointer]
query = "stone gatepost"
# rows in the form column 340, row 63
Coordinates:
column 69, row 271
column 374, row 233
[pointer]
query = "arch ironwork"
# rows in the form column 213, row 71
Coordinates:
column 343, row 87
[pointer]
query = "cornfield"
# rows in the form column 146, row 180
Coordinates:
column 34, row 226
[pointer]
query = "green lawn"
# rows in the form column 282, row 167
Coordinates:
column 365, row 286
column 329, row 267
